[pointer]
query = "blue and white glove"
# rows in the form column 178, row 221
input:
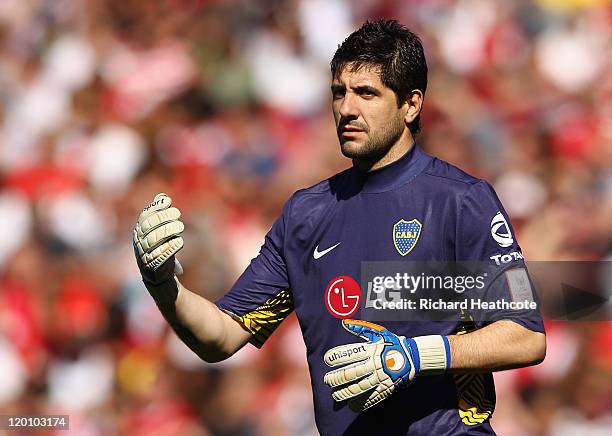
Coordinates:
column 385, row 363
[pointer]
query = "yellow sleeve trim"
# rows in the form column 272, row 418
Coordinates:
column 474, row 406
column 262, row 321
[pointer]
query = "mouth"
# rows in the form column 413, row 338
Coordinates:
column 350, row 131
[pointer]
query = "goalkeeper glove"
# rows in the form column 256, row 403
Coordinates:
column 382, row 365
column 156, row 240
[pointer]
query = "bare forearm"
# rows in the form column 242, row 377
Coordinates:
column 203, row 327
column 219, row 336
column 498, row 346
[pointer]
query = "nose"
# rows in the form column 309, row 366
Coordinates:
column 348, row 106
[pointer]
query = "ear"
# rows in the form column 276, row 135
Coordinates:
column 413, row 103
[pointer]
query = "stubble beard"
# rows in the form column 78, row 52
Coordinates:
column 377, row 145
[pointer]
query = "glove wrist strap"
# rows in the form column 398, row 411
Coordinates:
column 434, row 354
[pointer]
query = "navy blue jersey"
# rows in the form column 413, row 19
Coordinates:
column 418, row 208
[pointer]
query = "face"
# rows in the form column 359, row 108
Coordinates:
column 368, row 120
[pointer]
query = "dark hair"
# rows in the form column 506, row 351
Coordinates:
column 394, row 50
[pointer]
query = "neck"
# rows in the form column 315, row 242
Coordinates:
column 397, row 150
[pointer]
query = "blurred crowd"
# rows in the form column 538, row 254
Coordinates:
column 225, row 105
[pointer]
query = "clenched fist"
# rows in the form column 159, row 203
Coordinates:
column 157, row 238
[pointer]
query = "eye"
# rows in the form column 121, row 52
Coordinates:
column 338, row 91
column 367, row 93
column 394, row 360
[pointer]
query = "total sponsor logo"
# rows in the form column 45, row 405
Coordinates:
column 500, row 231
column 342, row 297
column 506, row 258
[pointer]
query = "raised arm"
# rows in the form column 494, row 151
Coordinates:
column 208, row 331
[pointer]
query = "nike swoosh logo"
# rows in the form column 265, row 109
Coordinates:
column 319, row 254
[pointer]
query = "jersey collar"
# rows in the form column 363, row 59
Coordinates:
column 396, row 174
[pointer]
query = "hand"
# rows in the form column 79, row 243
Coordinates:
column 384, row 364
column 157, row 239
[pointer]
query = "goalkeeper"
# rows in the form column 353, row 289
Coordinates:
column 394, row 203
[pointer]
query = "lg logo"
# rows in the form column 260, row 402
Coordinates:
column 342, row 297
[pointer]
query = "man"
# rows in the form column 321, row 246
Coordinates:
column 394, row 203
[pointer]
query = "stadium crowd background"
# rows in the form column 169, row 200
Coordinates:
column 225, row 105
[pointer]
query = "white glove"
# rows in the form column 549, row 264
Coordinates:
column 157, row 238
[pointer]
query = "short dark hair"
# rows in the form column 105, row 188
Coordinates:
column 394, row 50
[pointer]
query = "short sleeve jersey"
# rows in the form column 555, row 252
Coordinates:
column 325, row 232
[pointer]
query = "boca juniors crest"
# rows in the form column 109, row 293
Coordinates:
column 406, row 235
